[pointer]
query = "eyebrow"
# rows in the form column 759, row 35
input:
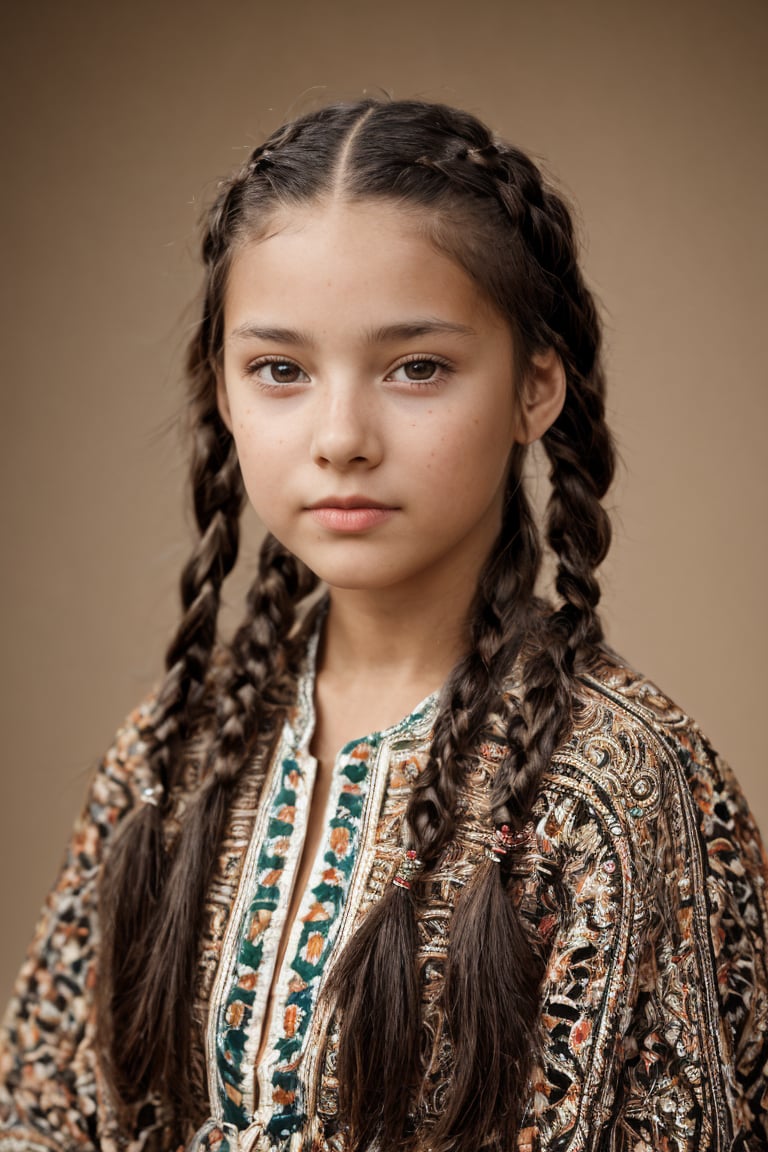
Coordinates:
column 250, row 331
column 410, row 329
column 405, row 330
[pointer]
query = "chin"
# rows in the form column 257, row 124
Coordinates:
column 357, row 583
column 356, row 577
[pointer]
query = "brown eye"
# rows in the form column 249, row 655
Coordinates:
column 274, row 373
column 424, row 371
column 420, row 369
column 283, row 372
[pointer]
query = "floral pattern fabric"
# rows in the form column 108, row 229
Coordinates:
column 239, row 1005
column 644, row 880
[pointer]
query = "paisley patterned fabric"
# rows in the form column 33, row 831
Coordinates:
column 644, row 880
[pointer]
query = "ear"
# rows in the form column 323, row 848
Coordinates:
column 222, row 400
column 543, row 396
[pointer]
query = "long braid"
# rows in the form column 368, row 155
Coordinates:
column 152, row 901
column 489, row 1001
column 247, row 706
column 580, row 449
column 491, row 1067
column 136, row 869
column 249, row 702
column 282, row 583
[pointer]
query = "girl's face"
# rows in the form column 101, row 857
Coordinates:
column 369, row 388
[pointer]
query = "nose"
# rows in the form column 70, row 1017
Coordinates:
column 347, row 432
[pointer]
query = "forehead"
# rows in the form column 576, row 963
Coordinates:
column 363, row 260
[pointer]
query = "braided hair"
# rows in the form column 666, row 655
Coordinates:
column 486, row 205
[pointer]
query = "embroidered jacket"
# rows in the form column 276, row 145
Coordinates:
column 645, row 881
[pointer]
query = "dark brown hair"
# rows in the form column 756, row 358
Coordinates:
column 486, row 205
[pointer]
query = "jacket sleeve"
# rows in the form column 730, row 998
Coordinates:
column 654, row 1021
column 48, row 1076
column 588, row 905
column 695, row 1073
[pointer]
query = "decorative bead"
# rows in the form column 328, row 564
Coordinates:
column 641, row 788
column 152, row 794
column 410, row 865
column 500, row 845
column 609, row 866
column 504, row 839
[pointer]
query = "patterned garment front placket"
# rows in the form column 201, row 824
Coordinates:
column 258, row 922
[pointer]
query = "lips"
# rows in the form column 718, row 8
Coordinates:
column 348, row 502
column 350, row 514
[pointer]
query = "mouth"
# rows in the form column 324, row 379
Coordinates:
column 348, row 503
column 350, row 514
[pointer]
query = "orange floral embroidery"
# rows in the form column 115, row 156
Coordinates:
column 290, row 1017
column 235, row 1013
column 340, row 841
column 259, row 923
column 281, row 1096
column 314, row 948
column 316, row 912
column 235, row 1096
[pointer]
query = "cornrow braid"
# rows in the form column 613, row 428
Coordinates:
column 152, row 901
column 578, row 444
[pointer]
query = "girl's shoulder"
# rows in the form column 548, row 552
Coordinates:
column 124, row 778
column 644, row 770
column 646, row 881
column 624, row 718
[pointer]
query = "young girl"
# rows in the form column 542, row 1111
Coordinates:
column 414, row 861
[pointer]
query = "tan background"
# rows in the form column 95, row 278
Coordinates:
column 119, row 118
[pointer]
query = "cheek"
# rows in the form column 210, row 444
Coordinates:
column 260, row 459
column 264, row 496
column 476, row 461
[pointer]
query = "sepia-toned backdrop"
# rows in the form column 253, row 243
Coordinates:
column 118, row 120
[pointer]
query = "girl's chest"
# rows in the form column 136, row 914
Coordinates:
column 300, row 868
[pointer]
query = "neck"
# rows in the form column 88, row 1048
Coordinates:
column 416, row 639
column 384, row 650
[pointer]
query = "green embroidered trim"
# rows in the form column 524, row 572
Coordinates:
column 320, row 912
